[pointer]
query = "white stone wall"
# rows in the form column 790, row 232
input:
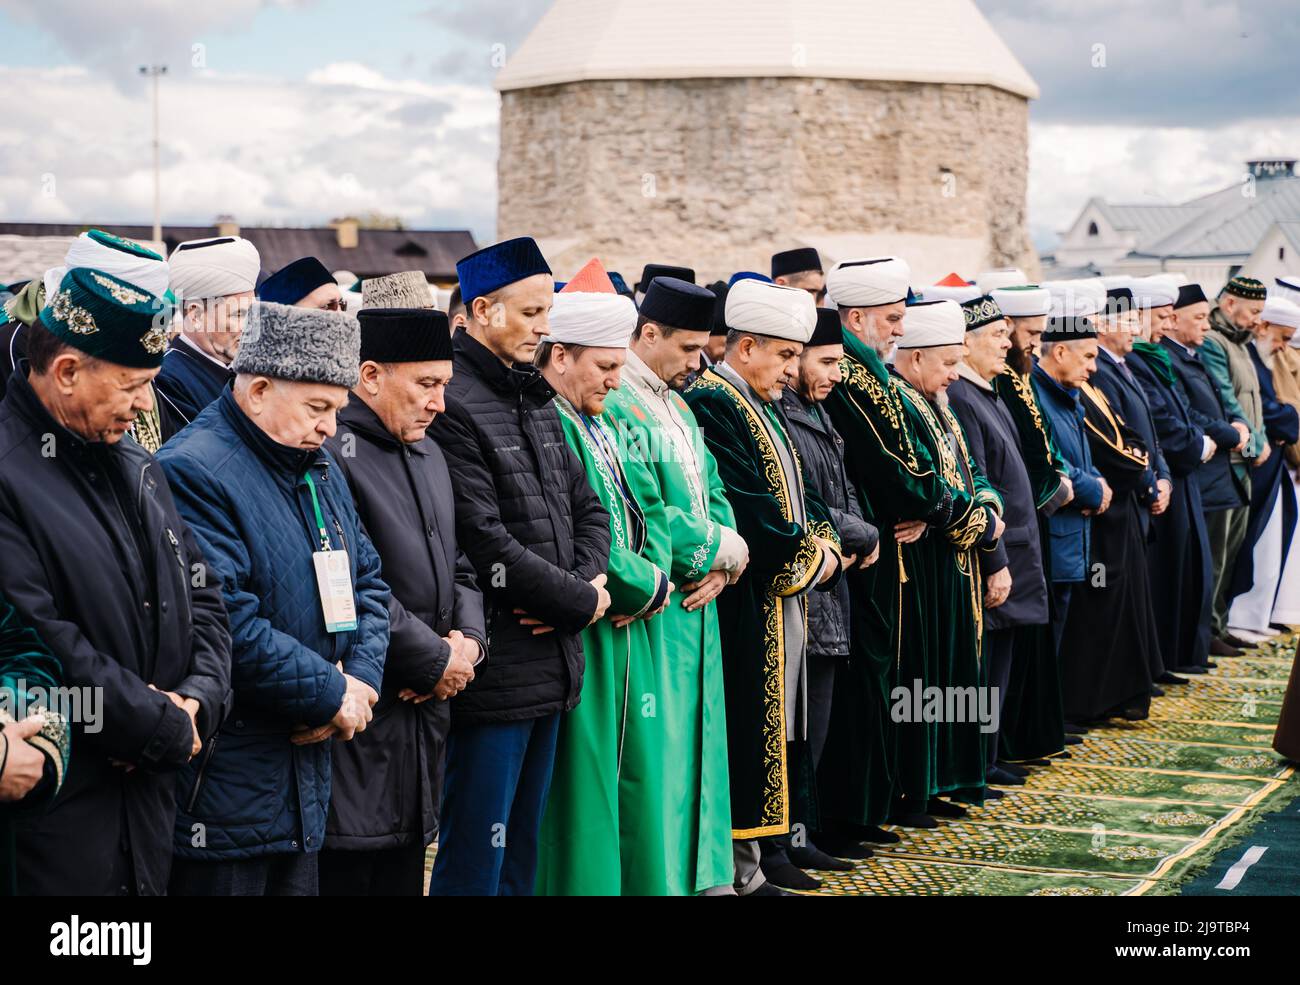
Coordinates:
column 719, row 173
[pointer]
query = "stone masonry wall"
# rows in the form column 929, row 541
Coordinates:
column 721, row 172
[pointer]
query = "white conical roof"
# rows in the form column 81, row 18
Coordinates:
column 891, row 40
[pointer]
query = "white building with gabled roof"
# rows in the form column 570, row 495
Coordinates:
column 1251, row 228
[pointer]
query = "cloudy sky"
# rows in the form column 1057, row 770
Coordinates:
column 295, row 111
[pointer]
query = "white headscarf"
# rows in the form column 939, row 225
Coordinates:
column 771, row 309
column 933, row 323
column 868, row 282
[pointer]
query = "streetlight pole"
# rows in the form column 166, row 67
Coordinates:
column 153, row 72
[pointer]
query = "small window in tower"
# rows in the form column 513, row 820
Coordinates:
column 1281, row 252
column 1092, row 229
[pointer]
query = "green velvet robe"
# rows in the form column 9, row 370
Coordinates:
column 603, row 833
column 692, row 706
column 26, row 663
column 954, row 754
column 896, row 480
column 1033, row 718
column 784, row 561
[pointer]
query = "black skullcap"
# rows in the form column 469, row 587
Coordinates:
column 828, row 330
column 653, row 270
column 1189, row 294
column 719, row 323
column 1068, row 328
column 676, row 303
column 795, row 261
column 404, row 335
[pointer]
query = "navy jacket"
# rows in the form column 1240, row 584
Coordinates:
column 187, row 383
column 1071, row 530
column 995, row 445
column 1177, row 432
column 247, row 500
column 1220, row 489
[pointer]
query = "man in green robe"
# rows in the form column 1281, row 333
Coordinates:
column 882, row 767
column 602, row 833
column 658, row 430
column 794, row 548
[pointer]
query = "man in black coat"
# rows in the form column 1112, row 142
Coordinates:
column 1015, row 586
column 1178, row 559
column 99, row 563
column 1219, row 484
column 821, row 455
column 539, row 541
column 1117, row 329
column 388, row 779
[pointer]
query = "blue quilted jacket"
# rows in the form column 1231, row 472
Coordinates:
column 251, row 791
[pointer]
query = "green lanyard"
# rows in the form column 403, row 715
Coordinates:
column 320, row 519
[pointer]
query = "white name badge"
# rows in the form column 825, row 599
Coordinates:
column 334, row 582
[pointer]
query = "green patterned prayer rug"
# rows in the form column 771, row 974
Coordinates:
column 1139, row 807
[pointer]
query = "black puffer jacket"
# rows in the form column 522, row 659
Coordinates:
column 821, row 454
column 387, row 780
column 531, row 526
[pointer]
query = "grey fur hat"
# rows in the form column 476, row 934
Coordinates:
column 408, row 289
column 304, row 344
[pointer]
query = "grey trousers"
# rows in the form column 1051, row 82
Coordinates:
column 1227, row 532
column 749, row 876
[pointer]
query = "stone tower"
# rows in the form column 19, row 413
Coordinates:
column 713, row 134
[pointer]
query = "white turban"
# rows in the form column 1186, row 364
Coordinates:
column 961, row 293
column 1288, row 287
column 1076, row 297
column 990, row 280
column 868, row 282
column 1153, row 292
column 761, row 308
column 147, row 273
column 933, row 323
column 1027, row 301
column 596, row 319
column 213, row 268
column 1281, row 311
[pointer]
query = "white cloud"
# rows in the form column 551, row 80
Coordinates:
column 1069, row 163
column 346, row 139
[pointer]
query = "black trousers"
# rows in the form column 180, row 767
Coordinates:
column 382, row 872
column 998, row 651
column 290, row 874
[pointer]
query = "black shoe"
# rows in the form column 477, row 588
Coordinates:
column 1281, row 627
column 787, row 876
column 1064, row 754
column 1011, row 768
column 1133, row 715
column 1192, row 669
column 1210, row 665
column 767, row 889
column 938, row 807
column 1168, row 678
column 1157, row 691
column 993, row 793
column 1234, row 640
column 1221, row 648
column 914, row 820
column 879, row 835
column 811, row 857
column 1074, row 740
column 841, row 847
column 1073, row 728
column 1035, row 762
column 1003, row 778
